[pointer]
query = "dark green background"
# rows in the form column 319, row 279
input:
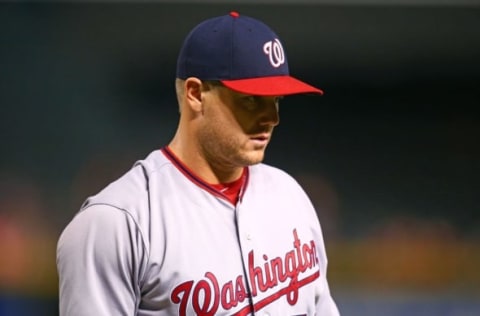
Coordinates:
column 87, row 88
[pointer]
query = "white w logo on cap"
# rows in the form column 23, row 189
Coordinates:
column 275, row 53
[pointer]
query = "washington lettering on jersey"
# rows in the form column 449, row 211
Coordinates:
column 206, row 295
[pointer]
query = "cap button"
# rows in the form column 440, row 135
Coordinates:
column 234, row 14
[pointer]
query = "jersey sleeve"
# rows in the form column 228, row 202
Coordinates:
column 99, row 262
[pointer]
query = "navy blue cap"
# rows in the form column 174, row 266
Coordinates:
column 242, row 53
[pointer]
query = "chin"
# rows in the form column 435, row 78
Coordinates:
column 254, row 158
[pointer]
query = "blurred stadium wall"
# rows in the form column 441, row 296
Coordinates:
column 390, row 155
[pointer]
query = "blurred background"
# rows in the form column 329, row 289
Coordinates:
column 389, row 155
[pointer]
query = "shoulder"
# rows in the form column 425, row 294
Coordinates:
column 132, row 187
column 270, row 180
column 128, row 197
column 272, row 176
column 123, row 205
column 103, row 223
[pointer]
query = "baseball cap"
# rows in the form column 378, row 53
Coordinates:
column 243, row 53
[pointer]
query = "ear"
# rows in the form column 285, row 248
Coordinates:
column 193, row 94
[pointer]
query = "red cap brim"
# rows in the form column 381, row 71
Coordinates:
column 271, row 86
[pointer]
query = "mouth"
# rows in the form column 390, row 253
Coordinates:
column 261, row 139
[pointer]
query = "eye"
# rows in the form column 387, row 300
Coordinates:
column 249, row 99
column 254, row 103
column 250, row 102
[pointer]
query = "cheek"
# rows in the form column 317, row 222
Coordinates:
column 217, row 140
column 214, row 129
column 221, row 133
column 223, row 119
column 244, row 122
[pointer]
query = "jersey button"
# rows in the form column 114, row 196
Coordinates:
column 249, row 237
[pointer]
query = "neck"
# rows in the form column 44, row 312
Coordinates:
column 203, row 167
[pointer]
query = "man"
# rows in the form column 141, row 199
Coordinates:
column 201, row 226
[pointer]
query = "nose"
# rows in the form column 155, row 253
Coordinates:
column 270, row 115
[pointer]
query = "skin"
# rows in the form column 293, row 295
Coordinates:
column 221, row 131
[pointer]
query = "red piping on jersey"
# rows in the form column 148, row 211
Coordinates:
column 195, row 179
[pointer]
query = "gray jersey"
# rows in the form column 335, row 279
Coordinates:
column 160, row 241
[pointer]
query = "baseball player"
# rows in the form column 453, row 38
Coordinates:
column 202, row 226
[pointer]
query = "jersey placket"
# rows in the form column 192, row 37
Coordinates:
column 246, row 243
